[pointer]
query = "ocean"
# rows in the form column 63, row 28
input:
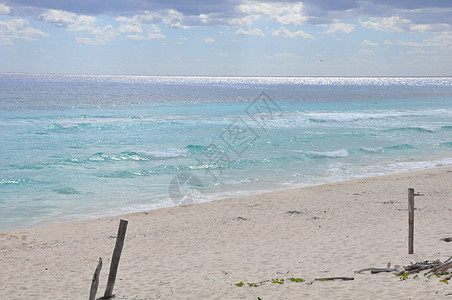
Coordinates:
column 83, row 146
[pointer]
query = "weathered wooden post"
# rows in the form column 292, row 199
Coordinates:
column 95, row 282
column 410, row 220
column 115, row 259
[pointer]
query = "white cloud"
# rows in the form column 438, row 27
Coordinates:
column 368, row 43
column 209, row 40
column 155, row 35
column 419, row 51
column 398, row 23
column 285, row 13
column 143, row 26
column 19, row 29
column 99, row 35
column 81, row 23
column 137, row 37
column 4, row 10
column 387, row 42
column 66, row 19
column 340, row 28
column 178, row 25
column 290, row 14
column 169, row 17
column 365, row 51
column 394, row 23
column 283, row 32
column 423, row 15
column 149, row 36
column 89, row 41
column 284, row 55
column 203, row 18
column 130, row 28
column 174, row 19
column 442, row 40
column 223, row 54
column 254, row 31
column 151, row 32
column 439, row 27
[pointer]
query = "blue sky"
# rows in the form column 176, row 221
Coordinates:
column 229, row 37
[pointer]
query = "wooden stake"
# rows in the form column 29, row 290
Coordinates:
column 115, row 259
column 410, row 220
column 95, row 282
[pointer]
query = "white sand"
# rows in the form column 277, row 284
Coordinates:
column 200, row 251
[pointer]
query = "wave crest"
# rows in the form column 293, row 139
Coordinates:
column 327, row 154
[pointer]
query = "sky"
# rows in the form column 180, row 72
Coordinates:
column 227, row 37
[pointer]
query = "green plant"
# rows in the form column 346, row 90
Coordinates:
column 293, row 279
column 278, row 281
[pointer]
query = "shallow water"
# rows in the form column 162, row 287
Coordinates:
column 76, row 146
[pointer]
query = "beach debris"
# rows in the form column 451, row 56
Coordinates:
column 443, row 267
column 273, row 280
column 115, row 259
column 113, row 267
column 435, row 267
column 378, row 270
column 294, row 212
column 283, row 272
column 240, row 219
column 95, row 281
column 389, row 202
column 448, row 239
column 333, row 278
column 400, row 270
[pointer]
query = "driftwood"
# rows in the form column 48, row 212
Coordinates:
column 443, row 267
column 332, row 278
column 95, row 281
column 115, row 259
column 433, row 267
column 421, row 266
column 377, row 270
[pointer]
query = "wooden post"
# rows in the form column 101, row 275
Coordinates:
column 95, row 282
column 115, row 259
column 410, row 220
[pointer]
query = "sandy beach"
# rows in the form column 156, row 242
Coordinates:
column 201, row 251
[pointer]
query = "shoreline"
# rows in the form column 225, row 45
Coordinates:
column 200, row 251
column 432, row 162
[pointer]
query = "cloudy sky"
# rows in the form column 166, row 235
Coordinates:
column 227, row 37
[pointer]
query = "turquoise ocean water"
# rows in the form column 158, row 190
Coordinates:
column 75, row 147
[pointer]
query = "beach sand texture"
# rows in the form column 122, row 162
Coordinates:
column 200, row 251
